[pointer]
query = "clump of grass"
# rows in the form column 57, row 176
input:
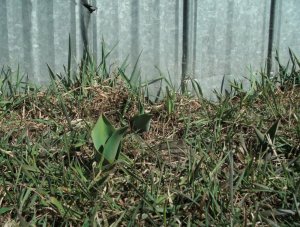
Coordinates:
column 231, row 162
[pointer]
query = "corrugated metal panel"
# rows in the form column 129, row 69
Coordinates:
column 225, row 37
column 231, row 36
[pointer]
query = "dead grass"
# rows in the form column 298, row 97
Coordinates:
column 180, row 172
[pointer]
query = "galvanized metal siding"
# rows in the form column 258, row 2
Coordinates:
column 224, row 37
column 231, row 36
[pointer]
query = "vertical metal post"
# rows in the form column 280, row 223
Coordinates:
column 176, row 39
column 4, row 56
column 271, row 34
column 95, row 37
column 185, row 46
column 134, row 30
column 195, row 35
column 85, row 18
column 27, row 38
column 84, row 24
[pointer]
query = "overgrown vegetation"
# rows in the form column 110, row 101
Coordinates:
column 231, row 162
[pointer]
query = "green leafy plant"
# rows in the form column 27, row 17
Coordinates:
column 170, row 100
column 267, row 139
column 13, row 82
column 197, row 89
column 197, row 159
column 141, row 122
column 134, row 80
column 107, row 139
column 288, row 74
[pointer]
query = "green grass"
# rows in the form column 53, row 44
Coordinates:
column 202, row 163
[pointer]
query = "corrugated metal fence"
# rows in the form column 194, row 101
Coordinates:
column 219, row 37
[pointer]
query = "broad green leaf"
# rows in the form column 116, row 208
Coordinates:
column 111, row 148
column 170, row 100
column 102, row 131
column 273, row 129
column 260, row 136
column 141, row 107
column 170, row 106
column 263, row 137
column 262, row 140
column 141, row 123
